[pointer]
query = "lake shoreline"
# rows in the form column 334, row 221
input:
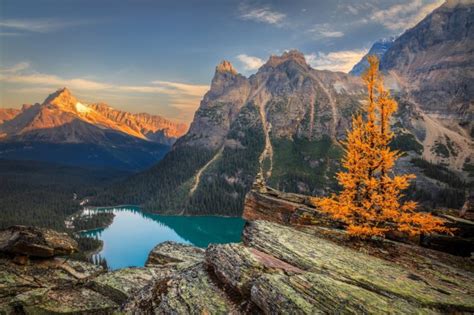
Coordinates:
column 134, row 233
column 161, row 213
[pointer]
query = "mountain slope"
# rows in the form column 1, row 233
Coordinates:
column 152, row 127
column 63, row 130
column 432, row 65
column 379, row 48
column 8, row 114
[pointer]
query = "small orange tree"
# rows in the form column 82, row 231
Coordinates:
column 369, row 203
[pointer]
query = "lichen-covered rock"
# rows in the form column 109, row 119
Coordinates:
column 120, row 284
column 320, row 256
column 50, row 286
column 312, row 293
column 63, row 301
column 35, row 242
column 238, row 266
column 172, row 252
column 189, row 291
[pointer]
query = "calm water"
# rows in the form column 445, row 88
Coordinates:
column 132, row 234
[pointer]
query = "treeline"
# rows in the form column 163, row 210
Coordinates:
column 451, row 195
column 44, row 194
column 93, row 221
column 87, row 247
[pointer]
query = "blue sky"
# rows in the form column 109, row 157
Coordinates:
column 159, row 56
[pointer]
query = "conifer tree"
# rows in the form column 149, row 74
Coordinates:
column 370, row 201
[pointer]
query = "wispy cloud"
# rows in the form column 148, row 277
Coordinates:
column 250, row 63
column 325, row 30
column 16, row 67
column 178, row 88
column 405, row 15
column 13, row 26
column 182, row 96
column 342, row 60
column 262, row 15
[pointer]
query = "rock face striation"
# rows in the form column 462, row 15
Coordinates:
column 280, row 267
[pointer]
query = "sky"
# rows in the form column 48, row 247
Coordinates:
column 160, row 56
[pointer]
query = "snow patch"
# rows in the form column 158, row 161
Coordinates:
column 81, row 108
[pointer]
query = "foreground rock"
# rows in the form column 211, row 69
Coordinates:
column 171, row 252
column 279, row 268
column 296, row 210
column 327, row 263
column 36, row 242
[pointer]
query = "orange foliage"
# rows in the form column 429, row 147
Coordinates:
column 369, row 203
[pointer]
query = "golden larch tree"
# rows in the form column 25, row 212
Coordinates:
column 370, row 201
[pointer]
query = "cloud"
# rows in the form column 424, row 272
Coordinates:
column 262, row 15
column 320, row 31
column 36, row 25
column 52, row 80
column 178, row 88
column 183, row 97
column 403, row 16
column 250, row 62
column 342, row 60
column 16, row 67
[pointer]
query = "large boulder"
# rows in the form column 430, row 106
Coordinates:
column 120, row 284
column 171, row 253
column 36, row 242
column 328, row 262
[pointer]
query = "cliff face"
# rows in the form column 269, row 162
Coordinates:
column 278, row 268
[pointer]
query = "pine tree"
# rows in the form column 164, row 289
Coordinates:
column 370, row 201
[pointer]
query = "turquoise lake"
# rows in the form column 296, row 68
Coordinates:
column 133, row 234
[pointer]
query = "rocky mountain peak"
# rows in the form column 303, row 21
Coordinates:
column 226, row 66
column 293, row 54
column 62, row 98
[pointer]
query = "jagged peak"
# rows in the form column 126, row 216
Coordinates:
column 226, row 66
column 62, row 97
column 293, row 54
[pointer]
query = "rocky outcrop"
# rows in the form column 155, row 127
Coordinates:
column 295, row 210
column 172, row 253
column 277, row 269
column 35, row 242
column 284, row 208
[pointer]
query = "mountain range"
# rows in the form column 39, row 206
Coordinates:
column 64, row 130
column 284, row 124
